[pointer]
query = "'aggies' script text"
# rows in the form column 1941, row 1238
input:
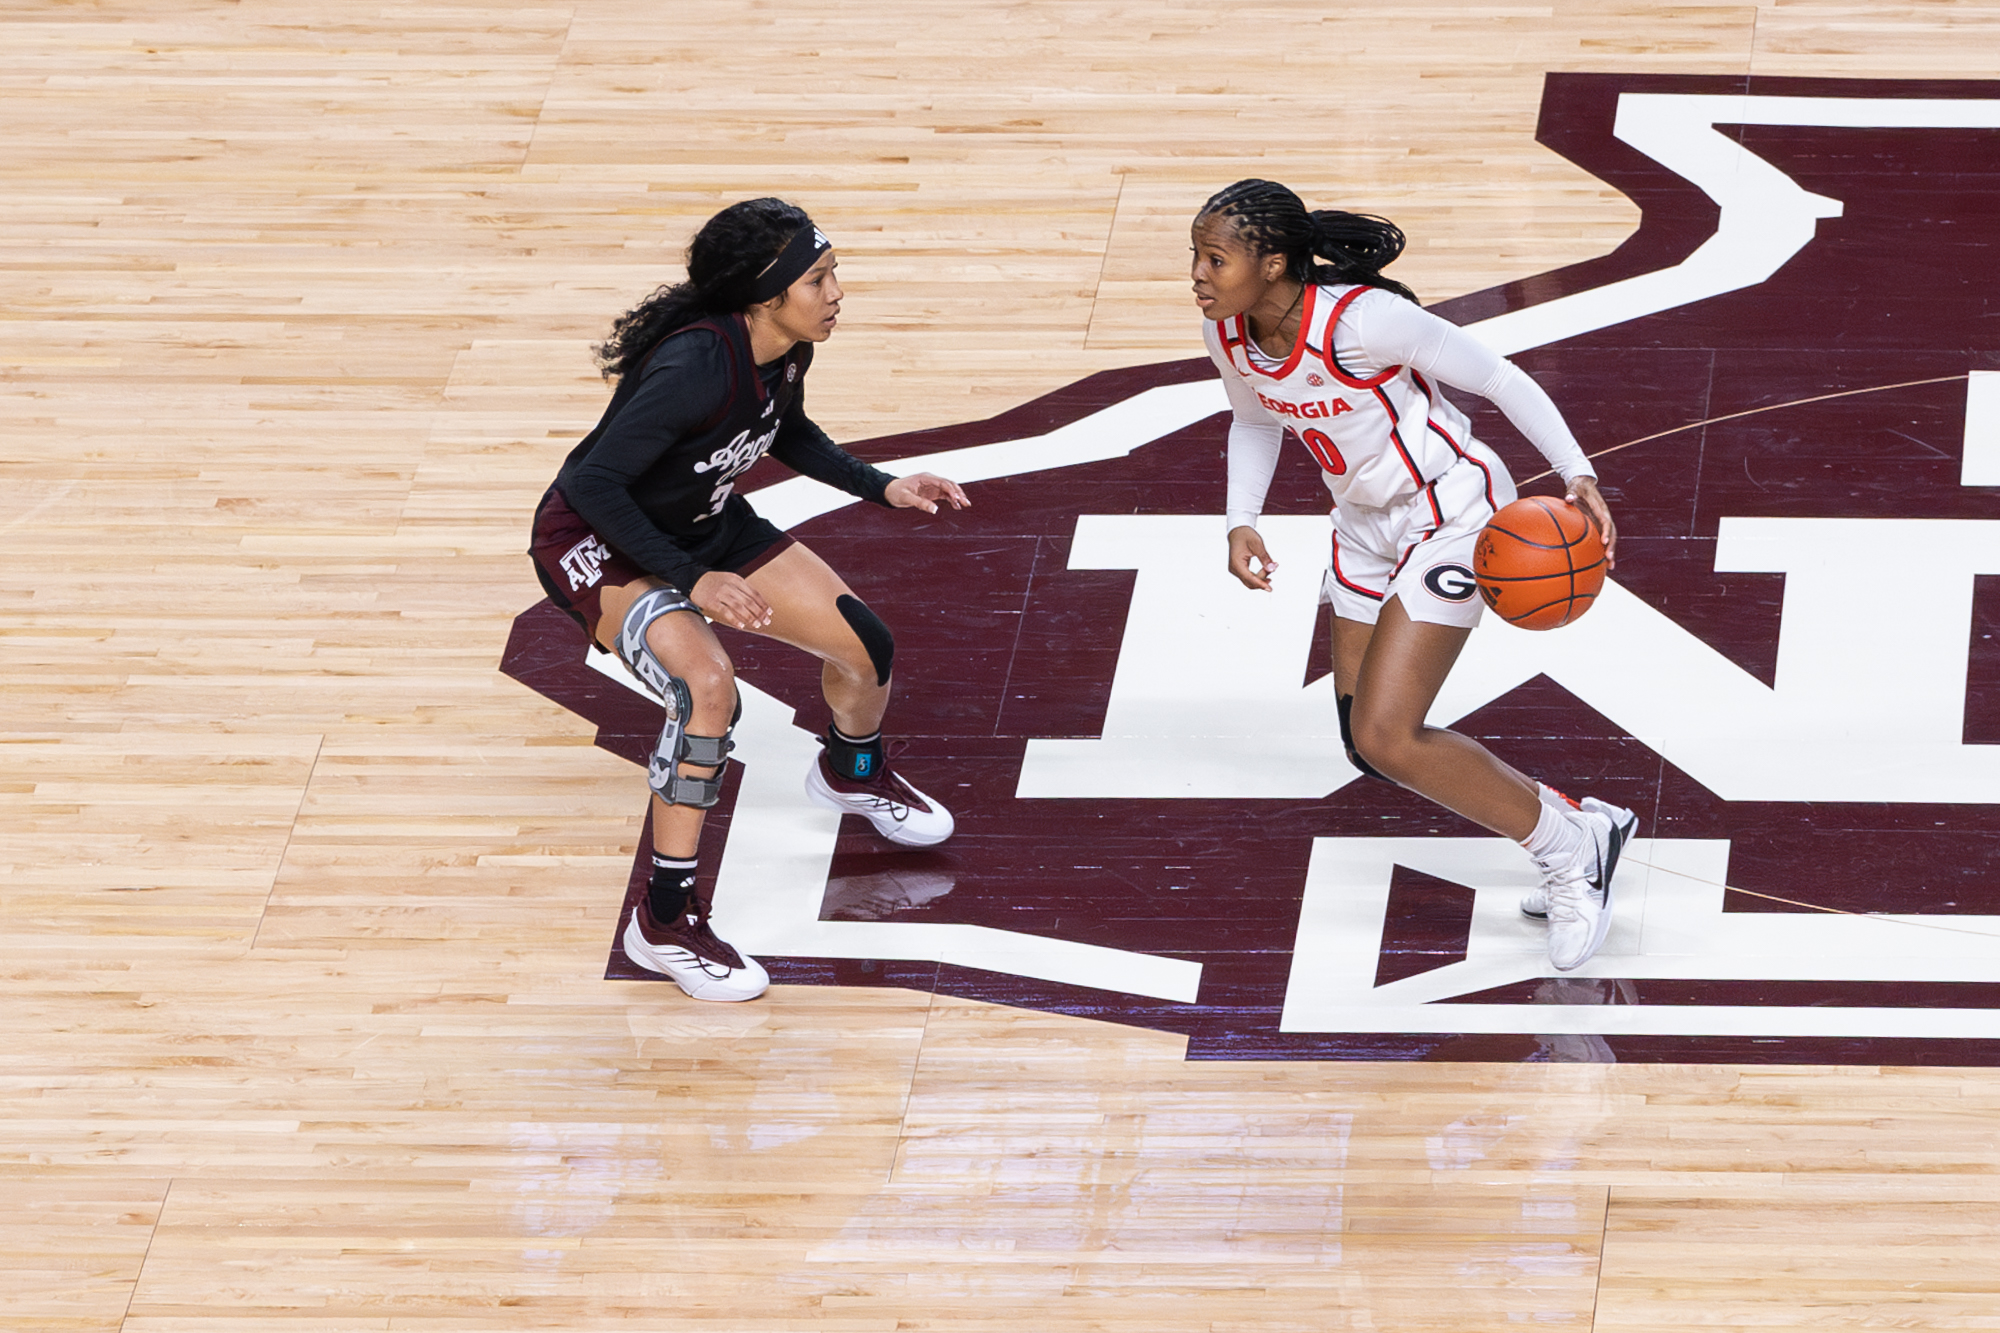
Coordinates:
column 732, row 460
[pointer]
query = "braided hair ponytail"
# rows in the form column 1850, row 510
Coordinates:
column 1356, row 247
column 723, row 261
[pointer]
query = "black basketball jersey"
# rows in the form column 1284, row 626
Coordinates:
column 655, row 475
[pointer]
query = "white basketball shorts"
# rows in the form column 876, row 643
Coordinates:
column 1420, row 549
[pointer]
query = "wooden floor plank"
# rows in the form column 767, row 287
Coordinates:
column 306, row 906
column 71, row 1245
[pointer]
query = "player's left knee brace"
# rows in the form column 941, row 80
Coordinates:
column 1346, row 705
column 677, row 745
column 663, row 770
column 874, row 635
column 637, row 654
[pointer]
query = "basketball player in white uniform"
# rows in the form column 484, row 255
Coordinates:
column 1310, row 336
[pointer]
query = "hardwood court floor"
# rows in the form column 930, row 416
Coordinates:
column 306, row 904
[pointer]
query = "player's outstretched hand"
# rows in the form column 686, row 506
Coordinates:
column 1246, row 546
column 923, row 490
column 731, row 600
column 1583, row 493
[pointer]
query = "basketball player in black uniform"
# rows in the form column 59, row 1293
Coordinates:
column 644, row 541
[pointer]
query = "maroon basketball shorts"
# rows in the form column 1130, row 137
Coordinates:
column 575, row 565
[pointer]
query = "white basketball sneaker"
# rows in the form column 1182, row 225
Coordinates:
column 1576, row 891
column 689, row 952
column 1608, row 838
column 1579, row 915
column 899, row 812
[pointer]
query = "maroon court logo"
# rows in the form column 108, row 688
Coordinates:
column 1794, row 677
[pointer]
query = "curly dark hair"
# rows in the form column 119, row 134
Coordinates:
column 723, row 261
column 1355, row 246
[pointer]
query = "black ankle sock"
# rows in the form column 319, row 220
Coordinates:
column 858, row 758
column 670, row 891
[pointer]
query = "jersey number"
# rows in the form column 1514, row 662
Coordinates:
column 1324, row 452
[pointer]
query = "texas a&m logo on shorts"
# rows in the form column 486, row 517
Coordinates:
column 583, row 563
column 1790, row 377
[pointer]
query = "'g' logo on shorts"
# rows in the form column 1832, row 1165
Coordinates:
column 1450, row 583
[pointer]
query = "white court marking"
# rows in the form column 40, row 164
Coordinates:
column 1669, row 924
column 1980, row 464
column 1801, row 740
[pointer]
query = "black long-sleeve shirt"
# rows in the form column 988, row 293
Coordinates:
column 655, row 476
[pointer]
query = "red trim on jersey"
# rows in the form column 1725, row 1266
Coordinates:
column 1222, row 332
column 1437, row 516
column 1424, row 387
column 1491, row 501
column 1409, row 551
column 1396, row 438
column 1235, row 335
column 1298, row 345
column 1445, row 435
column 1437, row 522
column 1332, row 364
column 1342, row 579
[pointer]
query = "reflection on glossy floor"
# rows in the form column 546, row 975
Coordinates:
column 306, row 904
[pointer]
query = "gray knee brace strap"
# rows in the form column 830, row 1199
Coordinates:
column 676, row 746
column 636, row 653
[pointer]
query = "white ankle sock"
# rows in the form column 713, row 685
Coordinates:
column 1557, row 836
column 1553, row 798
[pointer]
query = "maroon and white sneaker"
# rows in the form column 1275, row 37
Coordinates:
column 689, row 952
column 899, row 812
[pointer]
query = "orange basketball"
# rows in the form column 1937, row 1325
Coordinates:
column 1539, row 563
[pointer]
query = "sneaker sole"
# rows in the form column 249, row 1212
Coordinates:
column 896, row 831
column 704, row 985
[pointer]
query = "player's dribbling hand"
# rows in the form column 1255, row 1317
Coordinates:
column 731, row 600
column 1246, row 546
column 923, row 490
column 1583, row 493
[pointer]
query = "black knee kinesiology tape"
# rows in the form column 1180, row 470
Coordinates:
column 1346, row 706
column 874, row 635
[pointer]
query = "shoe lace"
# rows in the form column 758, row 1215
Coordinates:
column 904, row 802
column 700, row 939
column 1564, row 891
column 890, row 788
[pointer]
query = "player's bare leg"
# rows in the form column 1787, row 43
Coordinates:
column 689, row 649
column 804, row 595
column 1396, row 668
column 669, row 931
column 812, row 608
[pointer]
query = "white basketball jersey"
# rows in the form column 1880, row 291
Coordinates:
column 1378, row 441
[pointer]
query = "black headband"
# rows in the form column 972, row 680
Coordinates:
column 808, row 243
